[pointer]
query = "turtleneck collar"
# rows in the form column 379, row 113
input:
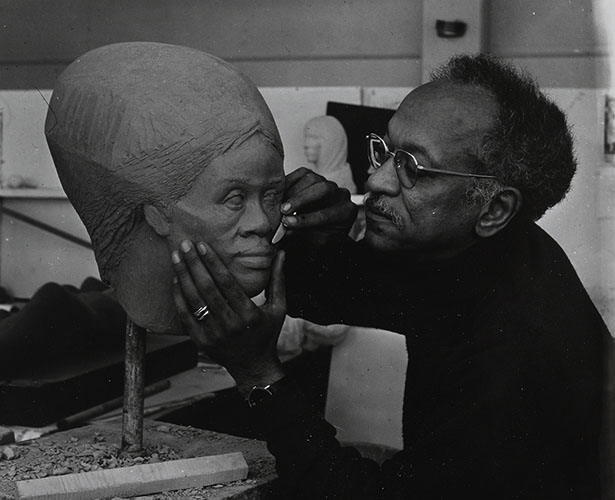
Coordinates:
column 457, row 279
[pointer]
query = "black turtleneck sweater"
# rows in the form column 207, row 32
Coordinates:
column 504, row 382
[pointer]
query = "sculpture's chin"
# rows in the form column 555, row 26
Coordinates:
column 145, row 290
column 254, row 283
column 164, row 318
column 156, row 321
column 150, row 307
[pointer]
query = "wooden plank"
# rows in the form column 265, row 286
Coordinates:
column 138, row 479
column 6, row 436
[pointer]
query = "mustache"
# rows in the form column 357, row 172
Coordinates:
column 377, row 203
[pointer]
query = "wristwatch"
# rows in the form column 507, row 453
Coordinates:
column 260, row 394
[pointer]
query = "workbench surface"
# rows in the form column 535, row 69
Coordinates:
column 96, row 446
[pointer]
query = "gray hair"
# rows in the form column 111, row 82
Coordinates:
column 530, row 146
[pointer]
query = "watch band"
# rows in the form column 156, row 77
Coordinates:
column 258, row 395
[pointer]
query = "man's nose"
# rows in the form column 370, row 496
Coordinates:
column 384, row 179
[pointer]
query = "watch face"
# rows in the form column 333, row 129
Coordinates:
column 258, row 395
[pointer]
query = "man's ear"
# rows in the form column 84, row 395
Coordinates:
column 497, row 213
column 157, row 220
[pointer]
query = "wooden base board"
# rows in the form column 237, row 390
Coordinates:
column 138, row 479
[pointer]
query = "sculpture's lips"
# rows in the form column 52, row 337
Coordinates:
column 256, row 259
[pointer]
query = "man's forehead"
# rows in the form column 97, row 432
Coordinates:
column 446, row 94
column 444, row 106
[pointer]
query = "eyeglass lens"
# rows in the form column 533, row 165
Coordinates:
column 406, row 166
column 378, row 152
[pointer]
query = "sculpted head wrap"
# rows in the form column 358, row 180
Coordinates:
column 133, row 125
column 136, row 123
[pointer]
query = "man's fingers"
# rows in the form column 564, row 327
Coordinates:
column 190, row 291
column 185, row 314
column 310, row 198
column 297, row 175
column 304, row 189
column 181, row 305
column 224, row 280
column 196, row 281
column 312, row 219
column 276, row 296
column 340, row 213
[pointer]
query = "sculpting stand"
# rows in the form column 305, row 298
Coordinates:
column 218, row 466
column 134, row 376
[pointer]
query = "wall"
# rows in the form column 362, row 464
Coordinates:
column 287, row 43
column 553, row 39
column 583, row 222
column 281, row 43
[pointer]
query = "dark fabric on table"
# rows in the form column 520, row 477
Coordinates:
column 59, row 323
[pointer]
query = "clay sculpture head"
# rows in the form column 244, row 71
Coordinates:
column 157, row 143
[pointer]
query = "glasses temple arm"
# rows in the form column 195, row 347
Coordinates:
column 452, row 172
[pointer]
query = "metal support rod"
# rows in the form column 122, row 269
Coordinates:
column 134, row 376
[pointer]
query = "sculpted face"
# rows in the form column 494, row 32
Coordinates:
column 311, row 147
column 235, row 206
column 326, row 148
column 325, row 143
column 155, row 144
column 442, row 125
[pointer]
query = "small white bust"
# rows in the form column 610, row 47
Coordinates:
column 326, row 149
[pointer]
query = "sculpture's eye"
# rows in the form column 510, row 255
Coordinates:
column 235, row 201
column 272, row 197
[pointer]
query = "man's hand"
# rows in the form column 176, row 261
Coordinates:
column 234, row 332
column 317, row 209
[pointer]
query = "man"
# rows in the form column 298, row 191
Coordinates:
column 505, row 370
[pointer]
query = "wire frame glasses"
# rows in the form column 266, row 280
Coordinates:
column 406, row 165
